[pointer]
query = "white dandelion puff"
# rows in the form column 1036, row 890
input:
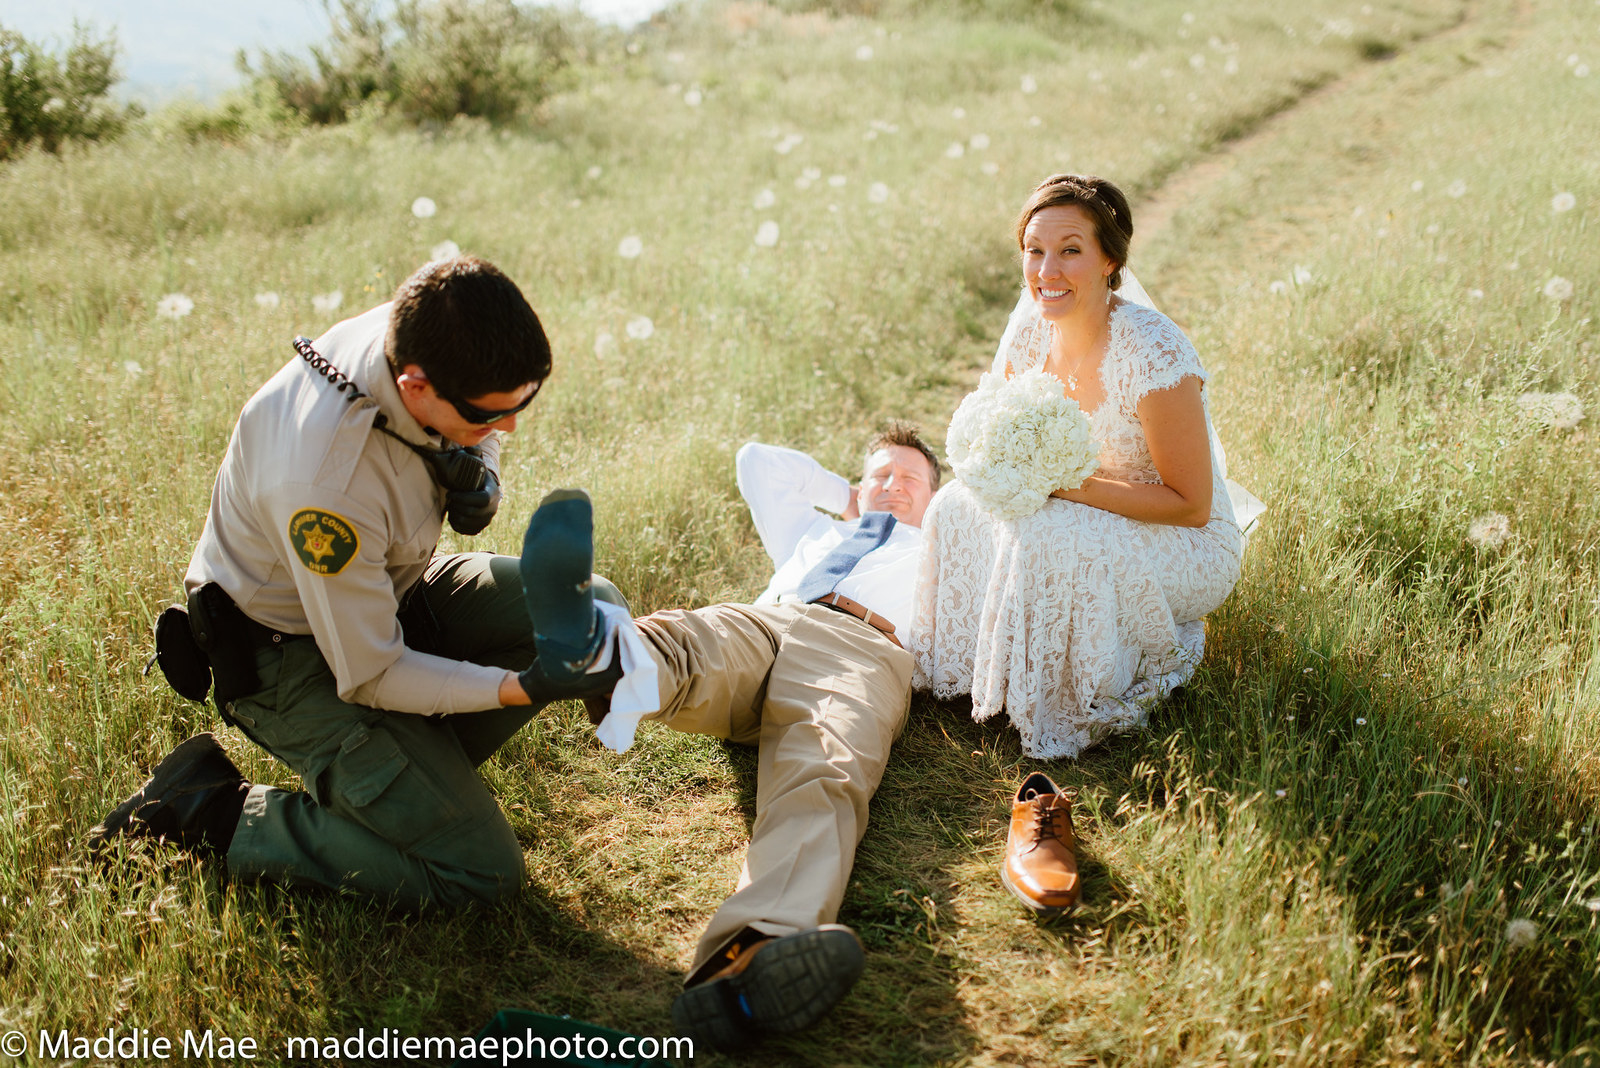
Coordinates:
column 803, row 182
column 444, row 250
column 1231, row 66
column 630, row 247
column 812, row 173
column 767, row 234
column 1489, row 531
column 174, row 306
column 132, row 367
column 956, row 150
column 878, row 193
column 1302, row 275
column 1197, row 61
column 958, row 113
column 1521, row 933
column 1457, row 188
column 1581, row 70
column 1558, row 411
column 1278, row 286
column 765, row 199
column 1572, row 59
column 1559, row 288
column 640, row 327
column 788, row 144
column 1034, row 120
column 1563, row 202
column 1416, row 186
column 1593, row 904
column 837, row 180
column 605, row 344
column 1030, row 84
column 978, row 142
column 990, row 167
column 326, row 303
column 268, row 301
column 864, row 53
column 1475, row 294
column 594, row 172
column 1188, row 18
column 1281, row 793
column 693, row 98
column 424, row 208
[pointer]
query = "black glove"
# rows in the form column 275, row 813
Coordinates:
column 469, row 511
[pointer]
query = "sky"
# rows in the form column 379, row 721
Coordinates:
column 172, row 47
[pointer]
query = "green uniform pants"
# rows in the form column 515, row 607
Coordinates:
column 393, row 806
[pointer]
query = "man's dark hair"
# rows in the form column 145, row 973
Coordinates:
column 468, row 327
column 902, row 433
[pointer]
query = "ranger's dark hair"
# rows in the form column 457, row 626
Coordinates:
column 898, row 432
column 468, row 327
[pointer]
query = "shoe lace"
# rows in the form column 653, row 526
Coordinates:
column 1049, row 822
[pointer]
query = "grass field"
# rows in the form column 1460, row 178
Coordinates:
column 1363, row 835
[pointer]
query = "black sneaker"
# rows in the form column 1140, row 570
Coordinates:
column 192, row 800
column 773, row 987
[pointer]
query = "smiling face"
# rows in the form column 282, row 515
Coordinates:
column 899, row 480
column 1063, row 264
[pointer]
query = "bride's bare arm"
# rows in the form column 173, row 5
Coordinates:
column 1174, row 422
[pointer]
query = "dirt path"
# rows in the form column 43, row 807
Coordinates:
column 1416, row 65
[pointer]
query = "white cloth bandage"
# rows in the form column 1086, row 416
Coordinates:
column 637, row 694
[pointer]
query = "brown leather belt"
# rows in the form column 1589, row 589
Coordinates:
column 840, row 603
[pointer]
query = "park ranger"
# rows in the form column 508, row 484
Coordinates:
column 339, row 642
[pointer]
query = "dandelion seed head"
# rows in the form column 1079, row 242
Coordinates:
column 605, row 344
column 958, row 113
column 1559, row 288
column 132, row 367
column 444, row 250
column 837, row 180
column 864, row 53
column 174, row 306
column 767, row 234
column 1559, row 411
column 812, row 173
column 1029, row 84
column 956, row 150
column 1197, row 61
column 878, row 193
column 1563, row 202
column 990, row 167
column 640, row 327
column 1302, row 275
column 1281, row 793
column 268, row 300
column 327, row 303
column 978, row 142
column 1034, row 120
column 594, row 172
column 630, row 247
column 1278, row 286
column 1475, row 294
column 1231, row 66
column 1521, row 933
column 1461, row 781
column 765, row 199
column 694, row 98
column 1416, row 186
column 1457, row 188
column 1489, row 531
column 424, row 208
column 1593, row 904
column 1581, row 70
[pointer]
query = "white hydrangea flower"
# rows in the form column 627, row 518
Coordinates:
column 1014, row 440
column 1489, row 531
column 327, row 303
column 767, row 234
column 174, row 306
column 444, row 250
column 640, row 327
column 630, row 247
column 424, row 208
column 268, row 301
column 1559, row 411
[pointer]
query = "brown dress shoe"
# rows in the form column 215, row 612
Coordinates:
column 1041, row 865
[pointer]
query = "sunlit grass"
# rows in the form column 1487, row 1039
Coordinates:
column 1363, row 835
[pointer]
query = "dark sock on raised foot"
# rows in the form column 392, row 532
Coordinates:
column 557, row 565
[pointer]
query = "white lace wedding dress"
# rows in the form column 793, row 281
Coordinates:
column 1075, row 620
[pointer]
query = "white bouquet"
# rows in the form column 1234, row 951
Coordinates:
column 1013, row 440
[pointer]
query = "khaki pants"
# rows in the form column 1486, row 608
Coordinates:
column 823, row 696
column 393, row 807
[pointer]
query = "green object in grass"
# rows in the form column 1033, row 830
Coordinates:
column 523, row 1039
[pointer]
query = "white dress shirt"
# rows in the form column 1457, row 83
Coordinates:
column 784, row 488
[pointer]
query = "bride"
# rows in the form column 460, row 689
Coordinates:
column 1075, row 619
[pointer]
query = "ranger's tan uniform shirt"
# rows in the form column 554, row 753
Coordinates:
column 319, row 524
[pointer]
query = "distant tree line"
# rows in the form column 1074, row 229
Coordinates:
column 49, row 99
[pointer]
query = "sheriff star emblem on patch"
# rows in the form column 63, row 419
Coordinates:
column 324, row 541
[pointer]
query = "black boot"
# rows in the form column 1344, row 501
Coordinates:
column 192, row 800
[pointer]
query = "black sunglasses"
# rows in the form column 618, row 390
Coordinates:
column 481, row 416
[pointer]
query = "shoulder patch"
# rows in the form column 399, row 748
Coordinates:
column 324, row 542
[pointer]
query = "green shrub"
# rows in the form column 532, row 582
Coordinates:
column 49, row 99
column 430, row 60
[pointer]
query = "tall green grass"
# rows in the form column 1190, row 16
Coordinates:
column 1288, row 867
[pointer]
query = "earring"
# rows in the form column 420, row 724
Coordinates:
column 1108, row 291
